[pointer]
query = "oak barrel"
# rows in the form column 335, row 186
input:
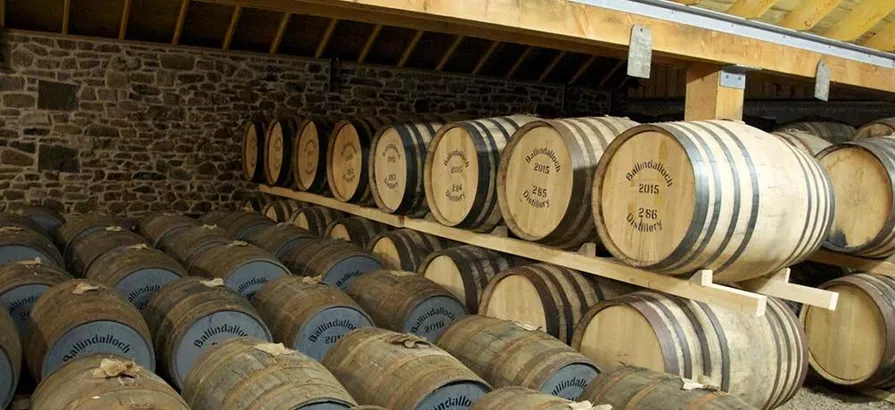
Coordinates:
column 834, row 132
column 812, row 275
column 187, row 245
column 48, row 218
column 806, row 142
column 355, row 229
column 243, row 267
column 278, row 145
column 253, row 151
column 546, row 175
column 87, row 248
column 348, row 157
column 310, row 154
column 253, row 204
column 676, row 197
column 188, row 316
column 460, row 176
column 522, row 398
column 761, row 360
column 241, row 224
column 550, row 297
column 315, row 219
column 158, row 227
column 863, row 179
column 136, row 271
column 506, row 353
column 279, row 239
column 105, row 382
column 80, row 317
column 406, row 302
column 337, row 262
column 247, row 373
column 879, row 128
column 397, row 159
column 466, row 270
column 855, row 344
column 213, row 217
column 78, row 225
column 418, row 375
column 18, row 244
column 307, row 315
column 22, row 283
column 636, row 388
column 281, row 210
column 10, row 358
column 404, row 249
column 9, row 219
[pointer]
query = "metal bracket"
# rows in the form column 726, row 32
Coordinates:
column 822, row 81
column 640, row 52
column 734, row 76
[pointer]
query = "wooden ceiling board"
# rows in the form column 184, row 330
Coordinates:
column 39, row 15
column 206, row 24
column 303, row 35
column 152, row 20
column 96, row 18
column 256, row 30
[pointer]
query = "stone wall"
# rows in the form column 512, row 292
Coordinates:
column 93, row 125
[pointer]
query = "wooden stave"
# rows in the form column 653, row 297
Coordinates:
column 834, row 132
column 11, row 353
column 317, row 257
column 87, row 248
column 9, row 219
column 243, row 225
column 74, row 385
column 155, row 228
column 324, row 126
column 415, row 145
column 318, row 217
column 78, row 225
column 26, row 273
column 287, row 126
column 355, row 359
column 17, row 236
column 812, row 275
column 685, row 259
column 114, row 266
column 278, row 376
column 477, row 266
column 521, row 398
column 576, row 225
column 256, row 174
column 879, row 128
column 366, row 128
column 412, row 246
column 360, row 230
column 657, row 309
column 188, row 244
column 48, row 218
column 279, row 239
column 804, row 141
column 224, row 261
column 212, row 217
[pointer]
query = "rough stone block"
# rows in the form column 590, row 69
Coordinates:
column 57, row 158
column 57, row 96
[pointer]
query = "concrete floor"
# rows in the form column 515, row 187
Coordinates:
column 820, row 397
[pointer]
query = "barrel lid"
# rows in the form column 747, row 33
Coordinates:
column 452, row 174
column 309, row 153
column 442, row 270
column 389, row 169
column 345, row 161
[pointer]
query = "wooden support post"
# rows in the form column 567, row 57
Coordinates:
column 707, row 99
column 231, row 29
column 281, row 30
column 552, row 65
column 485, row 57
column 181, row 18
column 450, row 51
column 125, row 16
column 518, row 63
column 581, row 70
column 327, row 34
column 369, row 44
column 66, row 15
column 410, row 48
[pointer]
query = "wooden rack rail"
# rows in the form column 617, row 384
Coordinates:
column 878, row 266
column 752, row 299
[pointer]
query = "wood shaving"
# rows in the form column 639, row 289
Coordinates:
column 12, row 229
column 312, row 280
column 138, row 246
column 209, row 226
column 213, row 283
column 688, row 385
column 109, row 368
column 83, row 288
column 114, row 228
column 274, row 349
column 238, row 243
column 586, row 405
column 527, row 326
column 403, row 273
column 409, row 341
column 31, row 262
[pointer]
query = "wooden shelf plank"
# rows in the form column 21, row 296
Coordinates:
column 369, row 213
column 878, row 266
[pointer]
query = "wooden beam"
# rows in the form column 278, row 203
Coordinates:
column 706, row 99
column 807, row 14
column 750, row 9
column 450, row 52
column 125, row 16
column 581, row 70
column 369, row 44
column 281, row 30
column 234, row 21
column 884, row 39
column 611, row 73
column 484, row 59
column 552, row 65
column 327, row 34
column 181, row 18
column 66, row 15
column 518, row 63
column 2, row 13
column 862, row 18
column 410, row 47
column 688, row 2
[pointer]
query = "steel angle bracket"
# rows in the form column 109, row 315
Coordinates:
column 734, row 76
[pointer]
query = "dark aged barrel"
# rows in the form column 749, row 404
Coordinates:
column 158, row 227
column 337, row 262
column 10, row 358
column 418, row 375
column 79, row 317
column 863, row 177
column 279, row 239
column 635, row 388
column 307, row 315
column 855, row 344
column 87, row 248
column 507, row 353
column 213, row 217
column 831, row 131
column 546, row 176
column 550, row 297
column 253, row 151
column 879, row 128
column 348, row 157
column 190, row 315
column 137, row 271
column 253, row 204
column 8, row 219
column 806, row 142
column 466, row 270
column 247, row 373
column 761, row 360
column 244, row 267
column 406, row 302
column 316, row 218
column 355, row 229
column 460, row 176
column 397, row 159
column 310, row 154
column 48, row 218
column 78, row 225
column 187, row 245
column 105, row 382
column 281, row 210
column 404, row 249
column 243, row 224
column 22, row 283
column 677, row 197
column 278, row 146
column 18, row 244
column 522, row 398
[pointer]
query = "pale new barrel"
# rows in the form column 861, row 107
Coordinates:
column 243, row 267
column 158, row 227
column 315, row 219
column 879, row 128
column 310, row 154
column 253, row 151
column 278, row 146
column 190, row 315
column 460, row 175
column 22, row 283
column 347, row 157
column 187, row 245
column 137, row 271
column 522, row 398
column 404, row 249
column 336, row 262
column 355, row 229
column 806, row 142
column 673, row 198
column 834, row 132
column 546, row 175
column 18, row 244
column 48, row 218
column 397, row 160
column 466, row 270
column 87, row 248
column 280, row 239
column 10, row 358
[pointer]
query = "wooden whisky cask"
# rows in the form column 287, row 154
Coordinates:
column 79, row 317
column 879, row 128
column 337, row 262
column 244, row 224
column 282, row 210
column 279, row 239
column 136, row 271
column 834, row 132
column 253, row 151
column 466, row 270
column 522, row 398
column 418, row 375
column 761, row 360
column 549, row 297
column 460, row 175
column 19, row 244
column 406, row 302
column 247, row 373
column 22, row 283
column 253, row 204
column 187, row 245
column 9, row 219
column 636, row 388
column 855, row 344
column 48, row 218
column 546, row 175
column 355, row 229
column 307, row 315
column 278, row 145
column 397, row 160
column 347, row 157
column 315, row 219
column 87, row 248
column 10, row 358
column 806, row 142
column 105, row 382
column 190, row 315
column 506, row 353
column 243, row 267
column 677, row 197
column 404, row 249
column 78, row 225
column 157, row 227
column 310, row 154
column 213, row 217
column 863, row 179
column 813, row 274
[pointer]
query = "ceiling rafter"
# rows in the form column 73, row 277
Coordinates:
column 552, row 65
column 450, row 52
column 66, row 15
column 231, row 29
column 518, row 62
column 125, row 16
column 807, row 14
column 410, row 47
column 750, row 8
column 327, row 34
column 281, row 31
column 861, row 19
column 884, row 39
column 611, row 73
column 582, row 69
column 2, row 13
column 181, row 19
column 484, row 59
column 371, row 39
